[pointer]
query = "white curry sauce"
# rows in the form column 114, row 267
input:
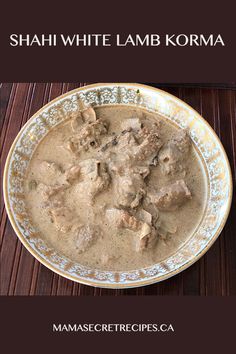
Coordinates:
column 116, row 188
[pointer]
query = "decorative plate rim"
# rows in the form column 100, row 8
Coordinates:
column 101, row 283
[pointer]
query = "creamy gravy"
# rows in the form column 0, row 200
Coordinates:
column 89, row 202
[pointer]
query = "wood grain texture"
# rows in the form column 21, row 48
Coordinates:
column 213, row 274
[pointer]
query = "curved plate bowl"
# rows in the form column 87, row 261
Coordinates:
column 207, row 143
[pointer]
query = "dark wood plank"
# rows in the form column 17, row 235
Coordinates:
column 64, row 287
column 7, row 256
column 24, row 274
column 44, row 281
column 6, row 111
column 5, row 94
column 16, row 114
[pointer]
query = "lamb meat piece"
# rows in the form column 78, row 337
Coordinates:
column 88, row 167
column 144, row 216
column 49, row 191
column 142, row 171
column 63, row 218
column 122, row 219
column 88, row 137
column 102, row 179
column 76, row 121
column 128, row 176
column 54, row 175
column 52, row 195
column 174, row 152
column 169, row 158
column 171, row 197
column 95, row 177
column 146, row 236
column 136, row 149
column 114, row 216
column 85, row 236
column 138, row 198
column 129, row 189
column 129, row 221
column 126, row 142
column 139, row 148
column 72, row 174
column 109, row 144
column 143, row 133
column 124, row 150
column 87, row 115
column 149, row 148
column 151, row 209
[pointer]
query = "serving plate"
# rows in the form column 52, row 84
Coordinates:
column 209, row 147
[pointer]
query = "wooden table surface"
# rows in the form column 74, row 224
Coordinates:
column 213, row 274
